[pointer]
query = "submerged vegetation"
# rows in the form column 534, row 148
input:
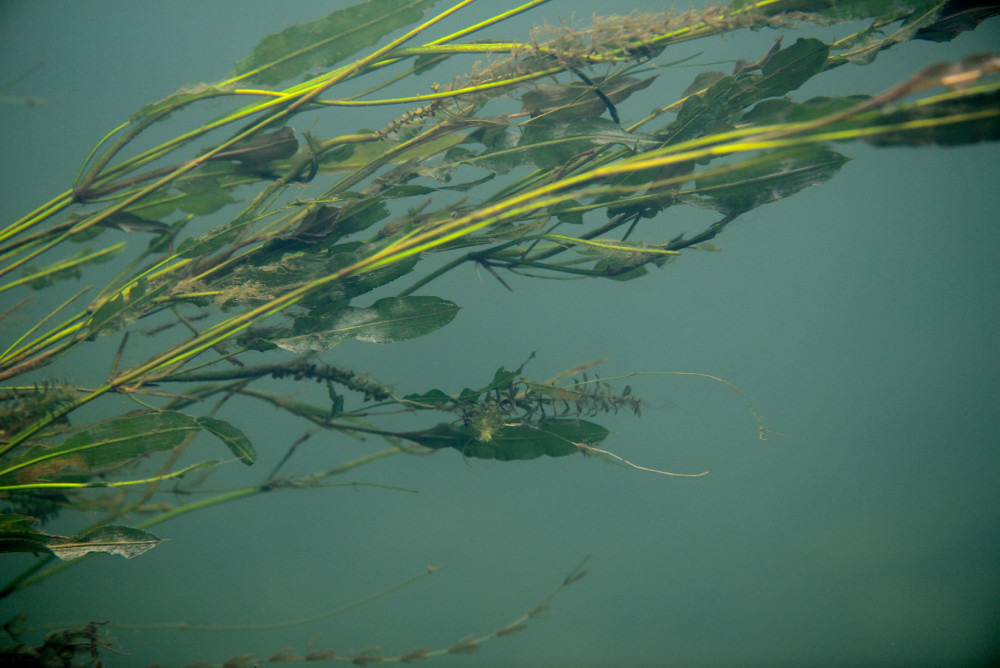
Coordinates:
column 533, row 164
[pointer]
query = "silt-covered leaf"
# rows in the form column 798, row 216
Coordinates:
column 767, row 178
column 386, row 321
column 18, row 534
column 123, row 541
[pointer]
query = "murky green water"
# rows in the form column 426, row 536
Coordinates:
column 860, row 317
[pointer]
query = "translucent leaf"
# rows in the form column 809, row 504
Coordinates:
column 123, row 541
column 202, row 196
column 388, row 320
column 162, row 109
column 326, row 41
column 579, row 100
column 261, row 148
column 67, row 268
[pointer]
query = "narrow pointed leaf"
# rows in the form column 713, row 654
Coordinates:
column 234, row 439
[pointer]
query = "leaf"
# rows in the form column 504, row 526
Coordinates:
column 791, row 67
column 18, row 534
column 720, row 106
column 770, row 177
column 956, row 17
column 966, row 120
column 388, row 320
column 430, row 400
column 185, row 96
column 123, row 541
column 234, row 439
column 67, row 268
column 578, row 100
column 114, row 442
column 552, row 437
column 262, row 148
column 550, row 144
column 202, row 196
column 326, row 41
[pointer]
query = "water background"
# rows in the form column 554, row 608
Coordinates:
column 861, row 318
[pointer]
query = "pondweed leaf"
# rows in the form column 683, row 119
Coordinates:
column 123, row 541
column 324, row 42
column 386, row 321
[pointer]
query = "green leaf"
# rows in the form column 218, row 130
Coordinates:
column 430, row 400
column 552, row 437
column 721, row 105
column 18, row 534
column 967, row 120
column 326, row 41
column 185, row 96
column 67, row 268
column 783, row 110
column 113, row 442
column 202, row 196
column 578, row 100
column 549, row 143
column 767, row 178
column 791, row 67
column 262, row 148
column 234, row 439
column 956, row 17
column 388, row 320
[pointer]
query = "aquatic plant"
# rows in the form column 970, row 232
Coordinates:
column 265, row 295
